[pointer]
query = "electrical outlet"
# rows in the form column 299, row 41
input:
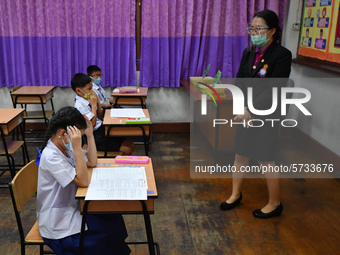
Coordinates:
column 296, row 26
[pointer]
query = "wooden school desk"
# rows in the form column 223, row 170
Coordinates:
column 118, row 127
column 145, row 207
column 133, row 99
column 34, row 95
column 9, row 120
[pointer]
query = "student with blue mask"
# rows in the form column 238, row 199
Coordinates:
column 62, row 169
column 96, row 75
column 87, row 102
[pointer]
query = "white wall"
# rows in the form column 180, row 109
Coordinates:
column 324, row 105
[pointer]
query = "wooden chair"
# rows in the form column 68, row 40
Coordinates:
column 22, row 188
column 7, row 149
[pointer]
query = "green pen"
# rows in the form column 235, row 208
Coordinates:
column 206, row 71
column 217, row 77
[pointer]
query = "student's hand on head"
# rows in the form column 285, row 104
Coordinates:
column 75, row 136
column 89, row 127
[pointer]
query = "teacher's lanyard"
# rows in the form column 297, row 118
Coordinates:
column 257, row 60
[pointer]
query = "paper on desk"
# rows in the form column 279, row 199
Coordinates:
column 127, row 113
column 118, row 183
column 116, row 90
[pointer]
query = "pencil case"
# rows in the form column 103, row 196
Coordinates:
column 132, row 159
column 125, row 91
column 138, row 121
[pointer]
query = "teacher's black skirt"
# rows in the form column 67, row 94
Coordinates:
column 258, row 143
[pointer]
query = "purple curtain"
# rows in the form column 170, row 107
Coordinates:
column 45, row 42
column 180, row 38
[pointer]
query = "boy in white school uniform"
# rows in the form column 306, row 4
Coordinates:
column 87, row 102
column 63, row 168
column 96, row 75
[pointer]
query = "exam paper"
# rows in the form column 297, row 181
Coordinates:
column 118, row 183
column 127, row 113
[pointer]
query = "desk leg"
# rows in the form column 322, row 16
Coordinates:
column 148, row 229
column 146, row 146
column 22, row 129
column 8, row 157
column 52, row 107
column 82, row 230
column 44, row 113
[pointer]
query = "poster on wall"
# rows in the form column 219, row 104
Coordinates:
column 320, row 30
column 337, row 33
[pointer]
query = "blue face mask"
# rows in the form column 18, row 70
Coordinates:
column 259, row 40
column 69, row 145
column 97, row 81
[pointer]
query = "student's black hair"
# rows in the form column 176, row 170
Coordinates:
column 92, row 69
column 272, row 21
column 66, row 116
column 80, row 80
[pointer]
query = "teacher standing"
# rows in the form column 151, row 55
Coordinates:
column 265, row 59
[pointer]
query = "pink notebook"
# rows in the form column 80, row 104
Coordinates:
column 132, row 159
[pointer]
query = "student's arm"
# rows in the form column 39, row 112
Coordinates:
column 105, row 106
column 81, row 179
column 93, row 101
column 91, row 145
column 99, row 109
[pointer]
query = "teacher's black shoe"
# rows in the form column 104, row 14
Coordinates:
column 226, row 206
column 276, row 212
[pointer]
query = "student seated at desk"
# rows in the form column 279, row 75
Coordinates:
column 62, row 169
column 95, row 74
column 87, row 103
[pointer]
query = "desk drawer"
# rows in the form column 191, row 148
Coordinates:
column 34, row 99
column 127, row 131
column 123, row 206
column 126, row 100
column 7, row 128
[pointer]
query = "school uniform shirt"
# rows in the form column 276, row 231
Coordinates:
column 84, row 107
column 100, row 92
column 58, row 211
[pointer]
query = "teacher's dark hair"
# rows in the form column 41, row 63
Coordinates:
column 272, row 21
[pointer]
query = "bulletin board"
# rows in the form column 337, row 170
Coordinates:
column 320, row 30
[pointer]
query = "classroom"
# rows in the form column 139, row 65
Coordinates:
column 170, row 127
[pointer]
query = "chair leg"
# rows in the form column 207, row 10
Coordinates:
column 41, row 249
column 12, row 170
column 23, row 154
column 23, row 251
